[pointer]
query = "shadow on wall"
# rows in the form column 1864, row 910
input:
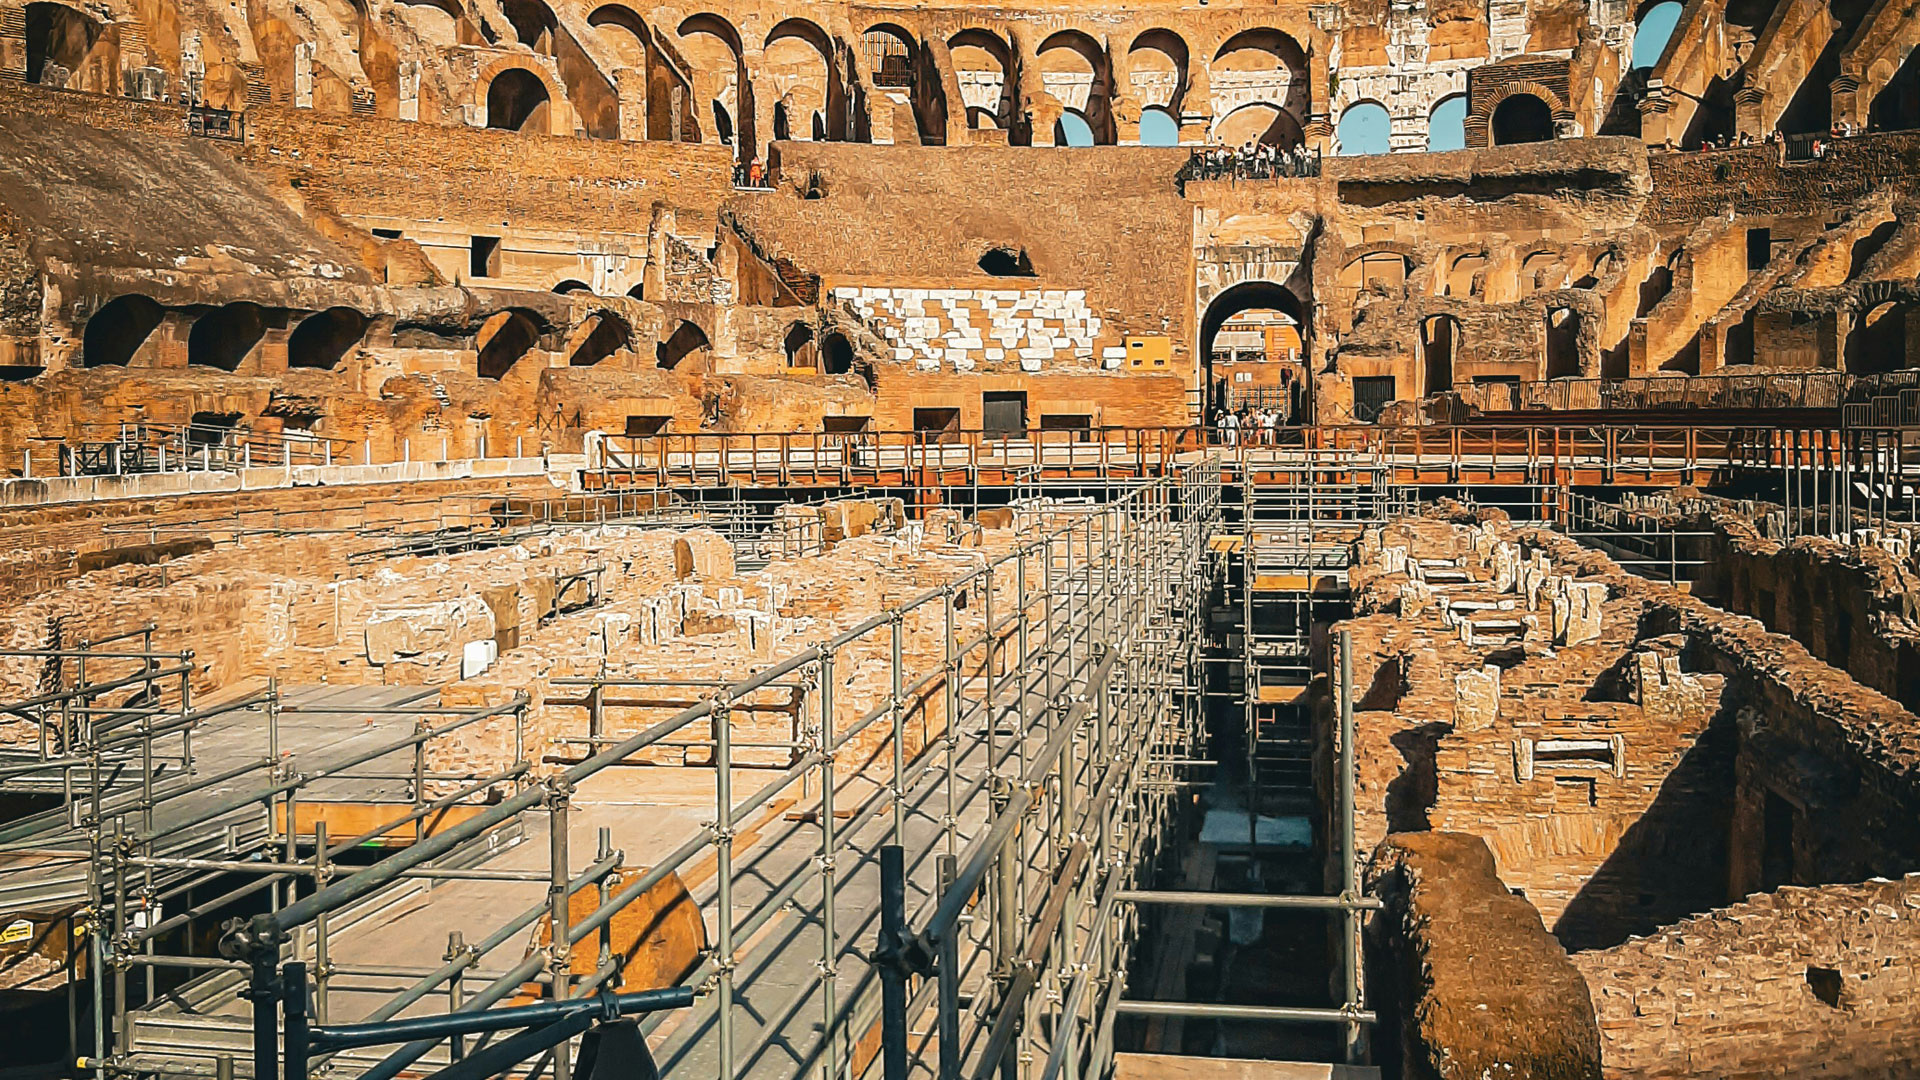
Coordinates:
column 1672, row 862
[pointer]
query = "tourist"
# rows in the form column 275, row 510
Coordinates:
column 1229, row 426
column 1270, row 425
column 753, row 173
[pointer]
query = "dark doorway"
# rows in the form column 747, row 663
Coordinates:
column 836, row 354
column 57, row 37
column 1776, row 855
column 507, row 337
column 1371, row 395
column 686, row 340
column 1563, row 343
column 116, row 332
column 936, row 425
column 1439, row 337
column 323, row 340
column 1522, row 118
column 224, row 337
column 1897, row 106
column 516, row 101
column 1003, row 414
column 1007, row 262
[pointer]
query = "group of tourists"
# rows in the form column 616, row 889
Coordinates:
column 1255, row 161
column 1250, row 426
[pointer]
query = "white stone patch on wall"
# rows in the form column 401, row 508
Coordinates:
column 980, row 88
column 1154, row 87
column 960, row 329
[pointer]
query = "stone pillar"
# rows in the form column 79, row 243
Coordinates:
column 753, row 138
column 1849, row 103
column 1655, row 108
column 1196, row 103
column 630, row 85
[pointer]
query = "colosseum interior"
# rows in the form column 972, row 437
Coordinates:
column 1220, row 540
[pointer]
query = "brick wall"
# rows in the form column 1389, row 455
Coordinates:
column 1800, row 982
column 1108, row 220
column 369, row 167
column 1751, row 180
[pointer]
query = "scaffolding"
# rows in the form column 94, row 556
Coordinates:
column 154, row 814
column 1025, row 755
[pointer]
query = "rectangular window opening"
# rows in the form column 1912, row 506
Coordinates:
column 844, row 425
column 1574, row 754
column 483, row 261
column 642, row 426
column 1759, row 248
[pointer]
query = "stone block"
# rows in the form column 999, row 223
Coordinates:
column 1476, row 699
column 702, row 553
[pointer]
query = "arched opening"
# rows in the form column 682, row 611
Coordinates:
column 1265, row 124
column 1007, row 262
column 1072, row 129
column 898, row 65
column 222, row 338
column 1365, row 128
column 1439, row 340
column 609, row 334
column 1897, row 106
column 572, row 285
column 799, row 346
column 1263, row 65
column 533, row 24
column 1157, row 71
column 819, row 126
column 1878, row 341
column 1563, row 343
column 1540, row 271
column 781, row 129
column 1464, row 278
column 58, row 40
column 889, row 54
column 981, row 62
column 517, row 100
column 1383, row 271
column 1652, row 31
column 1075, row 72
column 323, row 340
column 1158, row 128
column 1865, row 248
column 1447, row 124
column 712, row 50
column 1253, row 349
column 1657, row 285
column 687, row 340
column 669, row 98
column 503, row 340
column 798, row 60
column 116, row 332
column 1522, row 118
column 836, row 354
column 436, row 22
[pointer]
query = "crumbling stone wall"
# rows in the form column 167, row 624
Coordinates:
column 1744, row 762
column 1467, row 982
column 1797, row 982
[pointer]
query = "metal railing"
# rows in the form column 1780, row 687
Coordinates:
column 162, row 448
column 1070, row 656
column 1639, row 542
column 153, row 803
